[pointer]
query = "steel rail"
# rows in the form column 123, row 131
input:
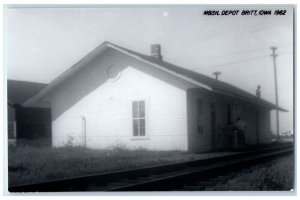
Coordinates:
column 175, row 182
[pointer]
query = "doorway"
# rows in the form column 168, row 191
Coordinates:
column 257, row 126
column 213, row 126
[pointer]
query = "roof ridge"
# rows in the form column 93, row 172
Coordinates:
column 184, row 73
column 166, row 62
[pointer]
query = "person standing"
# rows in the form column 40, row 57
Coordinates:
column 241, row 128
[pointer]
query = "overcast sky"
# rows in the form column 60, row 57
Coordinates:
column 44, row 42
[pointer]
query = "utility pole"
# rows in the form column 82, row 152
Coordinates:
column 217, row 73
column 274, row 55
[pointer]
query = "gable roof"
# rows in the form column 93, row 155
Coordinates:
column 20, row 91
column 183, row 73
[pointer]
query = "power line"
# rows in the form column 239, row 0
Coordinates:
column 286, row 53
column 286, row 45
column 239, row 61
column 231, row 63
column 255, row 50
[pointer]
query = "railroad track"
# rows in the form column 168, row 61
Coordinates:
column 162, row 177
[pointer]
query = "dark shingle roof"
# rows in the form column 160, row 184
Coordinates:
column 215, row 85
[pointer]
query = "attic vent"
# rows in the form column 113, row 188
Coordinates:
column 113, row 73
column 156, row 51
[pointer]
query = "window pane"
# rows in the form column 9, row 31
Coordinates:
column 135, row 109
column 142, row 109
column 142, row 131
column 142, row 122
column 142, row 127
column 135, row 127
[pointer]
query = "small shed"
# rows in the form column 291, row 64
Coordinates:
column 26, row 122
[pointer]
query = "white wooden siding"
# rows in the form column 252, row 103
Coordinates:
column 203, row 142
column 108, row 108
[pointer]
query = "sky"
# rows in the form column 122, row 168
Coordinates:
column 41, row 43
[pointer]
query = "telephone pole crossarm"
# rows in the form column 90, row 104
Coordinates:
column 217, row 73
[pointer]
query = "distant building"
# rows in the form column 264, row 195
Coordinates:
column 117, row 97
column 26, row 123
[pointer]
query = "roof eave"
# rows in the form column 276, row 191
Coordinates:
column 74, row 68
column 259, row 102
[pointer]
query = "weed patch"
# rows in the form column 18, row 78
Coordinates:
column 32, row 163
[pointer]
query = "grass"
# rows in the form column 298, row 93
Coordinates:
column 32, row 164
column 277, row 175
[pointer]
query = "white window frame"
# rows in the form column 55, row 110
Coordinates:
column 139, row 118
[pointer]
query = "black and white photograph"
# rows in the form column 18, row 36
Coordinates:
column 149, row 98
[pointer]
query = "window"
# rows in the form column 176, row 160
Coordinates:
column 200, row 116
column 200, row 106
column 138, row 117
column 200, row 129
column 229, row 120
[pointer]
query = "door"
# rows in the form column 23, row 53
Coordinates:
column 213, row 126
column 257, row 126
